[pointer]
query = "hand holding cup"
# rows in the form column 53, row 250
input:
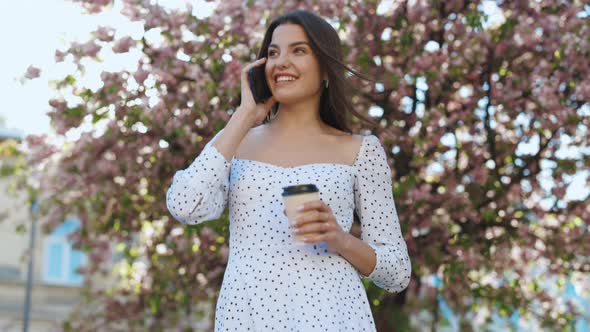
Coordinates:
column 316, row 223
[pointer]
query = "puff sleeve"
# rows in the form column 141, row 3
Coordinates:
column 380, row 227
column 199, row 192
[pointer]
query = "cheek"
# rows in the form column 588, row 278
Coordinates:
column 267, row 76
column 311, row 69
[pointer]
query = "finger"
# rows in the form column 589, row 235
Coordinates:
column 314, row 228
column 316, row 205
column 253, row 64
column 312, row 216
column 314, row 238
column 269, row 102
column 305, row 217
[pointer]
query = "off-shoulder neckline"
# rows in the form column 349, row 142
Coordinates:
column 359, row 153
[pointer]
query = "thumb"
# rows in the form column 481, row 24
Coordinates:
column 270, row 102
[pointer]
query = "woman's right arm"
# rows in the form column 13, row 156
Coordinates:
column 248, row 114
column 199, row 193
column 229, row 138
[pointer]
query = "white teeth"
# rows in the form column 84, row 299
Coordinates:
column 285, row 78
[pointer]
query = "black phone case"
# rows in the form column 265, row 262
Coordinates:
column 258, row 85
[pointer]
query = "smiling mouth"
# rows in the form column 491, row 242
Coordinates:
column 285, row 82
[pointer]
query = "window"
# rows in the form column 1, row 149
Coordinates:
column 60, row 260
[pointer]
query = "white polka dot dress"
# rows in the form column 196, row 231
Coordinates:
column 271, row 283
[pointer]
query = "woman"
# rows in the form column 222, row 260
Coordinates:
column 299, row 135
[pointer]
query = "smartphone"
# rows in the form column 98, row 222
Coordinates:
column 258, row 85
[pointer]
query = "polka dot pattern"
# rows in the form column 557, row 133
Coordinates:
column 199, row 192
column 380, row 227
column 271, row 283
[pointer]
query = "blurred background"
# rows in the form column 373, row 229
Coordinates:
column 482, row 107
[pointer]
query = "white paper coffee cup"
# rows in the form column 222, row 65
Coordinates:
column 296, row 195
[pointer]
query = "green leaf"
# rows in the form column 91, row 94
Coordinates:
column 364, row 61
column 489, row 215
column 70, row 79
column 75, row 112
column 210, row 87
column 407, row 39
column 154, row 302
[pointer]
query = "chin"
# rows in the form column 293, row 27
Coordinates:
column 287, row 97
column 285, row 100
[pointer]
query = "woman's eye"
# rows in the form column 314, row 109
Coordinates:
column 272, row 53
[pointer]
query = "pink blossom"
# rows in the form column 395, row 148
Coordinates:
column 583, row 90
column 231, row 74
column 59, row 56
column 94, row 6
column 59, row 104
column 140, row 75
column 32, row 72
column 105, row 34
column 90, row 49
column 123, row 45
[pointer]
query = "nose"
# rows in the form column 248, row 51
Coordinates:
column 282, row 60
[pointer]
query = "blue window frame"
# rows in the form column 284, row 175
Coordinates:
column 60, row 259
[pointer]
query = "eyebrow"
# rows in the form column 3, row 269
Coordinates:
column 290, row 45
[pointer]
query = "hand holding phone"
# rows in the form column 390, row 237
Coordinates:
column 256, row 97
column 258, row 86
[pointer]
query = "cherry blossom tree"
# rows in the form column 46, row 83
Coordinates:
column 484, row 116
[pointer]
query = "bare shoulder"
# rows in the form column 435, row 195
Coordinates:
column 249, row 141
column 340, row 145
column 344, row 137
column 357, row 142
column 350, row 144
column 358, row 138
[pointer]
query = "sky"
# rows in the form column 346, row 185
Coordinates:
column 25, row 105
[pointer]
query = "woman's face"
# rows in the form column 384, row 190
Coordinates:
column 291, row 56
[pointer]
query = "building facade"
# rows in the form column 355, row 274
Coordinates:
column 55, row 285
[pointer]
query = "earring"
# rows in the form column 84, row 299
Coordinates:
column 326, row 83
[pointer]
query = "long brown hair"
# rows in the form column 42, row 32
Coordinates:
column 336, row 105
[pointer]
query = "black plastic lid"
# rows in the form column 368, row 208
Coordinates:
column 299, row 189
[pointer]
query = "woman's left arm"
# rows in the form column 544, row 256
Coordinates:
column 318, row 224
column 380, row 226
column 358, row 253
column 381, row 254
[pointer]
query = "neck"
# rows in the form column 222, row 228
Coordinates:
column 301, row 118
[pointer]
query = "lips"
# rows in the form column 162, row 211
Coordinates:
column 276, row 76
column 281, row 83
